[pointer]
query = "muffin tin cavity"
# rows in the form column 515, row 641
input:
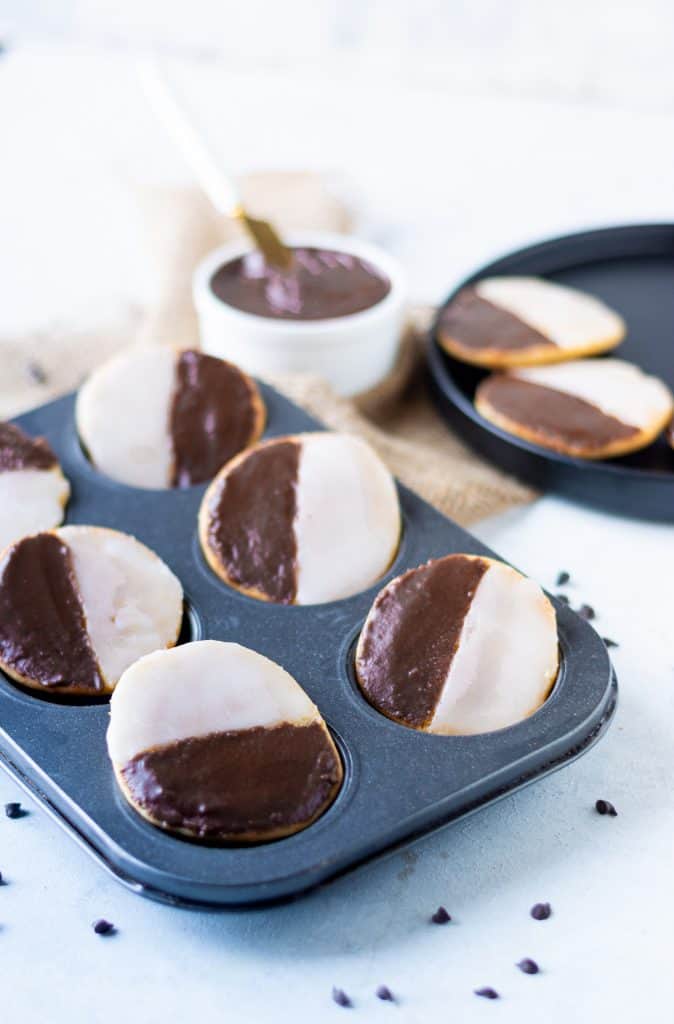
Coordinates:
column 398, row 782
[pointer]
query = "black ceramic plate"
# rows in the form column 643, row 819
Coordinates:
column 398, row 783
column 632, row 269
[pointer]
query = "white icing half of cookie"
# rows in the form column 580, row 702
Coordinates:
column 123, row 416
column 568, row 317
column 506, row 660
column 614, row 386
column 132, row 601
column 197, row 689
column 30, row 500
column 347, row 523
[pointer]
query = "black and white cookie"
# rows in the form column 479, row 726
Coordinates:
column 78, row 605
column 33, row 490
column 217, row 742
column 302, row 519
column 524, row 321
column 590, row 408
column 163, row 417
column 461, row 645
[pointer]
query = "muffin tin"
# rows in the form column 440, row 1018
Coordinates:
column 631, row 268
column 398, row 783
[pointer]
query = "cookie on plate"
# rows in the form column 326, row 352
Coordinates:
column 78, row 605
column 302, row 519
column 163, row 417
column 525, row 321
column 590, row 408
column 33, row 489
column 216, row 742
column 461, row 645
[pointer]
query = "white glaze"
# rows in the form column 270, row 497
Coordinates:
column 123, row 416
column 348, row 520
column 30, row 500
column 506, row 659
column 615, row 387
column 570, row 318
column 200, row 688
column 132, row 601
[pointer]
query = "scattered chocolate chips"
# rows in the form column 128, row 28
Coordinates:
column 610, row 643
column 541, row 911
column 15, row 810
column 37, row 373
column 528, row 966
column 587, row 612
column 103, row 927
column 384, row 992
column 487, row 993
column 606, row 807
column 441, row 916
column 563, row 578
column 340, row 997
column 563, row 598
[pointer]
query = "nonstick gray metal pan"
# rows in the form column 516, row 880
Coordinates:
column 632, row 269
column 398, row 783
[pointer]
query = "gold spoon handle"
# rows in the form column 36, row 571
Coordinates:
column 218, row 187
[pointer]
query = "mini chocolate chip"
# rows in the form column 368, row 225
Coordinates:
column 606, row 807
column 587, row 612
column 2, row 881
column 541, row 911
column 528, row 966
column 563, row 598
column 37, row 373
column 441, row 916
column 103, row 927
column 384, row 992
column 487, row 993
column 610, row 643
column 14, row 810
column 340, row 997
column 563, row 578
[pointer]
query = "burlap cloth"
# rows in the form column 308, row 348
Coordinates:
column 397, row 417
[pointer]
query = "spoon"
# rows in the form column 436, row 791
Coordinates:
column 218, row 187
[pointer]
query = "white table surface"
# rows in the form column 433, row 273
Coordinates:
column 445, row 182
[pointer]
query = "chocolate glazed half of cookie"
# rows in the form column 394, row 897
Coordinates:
column 214, row 741
column 43, row 632
column 460, row 645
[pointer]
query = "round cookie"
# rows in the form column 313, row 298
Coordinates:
column 501, row 322
column 302, row 520
column 78, row 605
column 590, row 408
column 159, row 417
column 214, row 741
column 33, row 489
column 460, row 645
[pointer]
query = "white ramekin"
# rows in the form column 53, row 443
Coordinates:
column 352, row 352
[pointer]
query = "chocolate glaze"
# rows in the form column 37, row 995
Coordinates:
column 43, row 633
column 556, row 417
column 19, row 451
column 252, row 513
column 412, row 636
column 475, row 323
column 320, row 285
column 212, row 416
column 256, row 781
